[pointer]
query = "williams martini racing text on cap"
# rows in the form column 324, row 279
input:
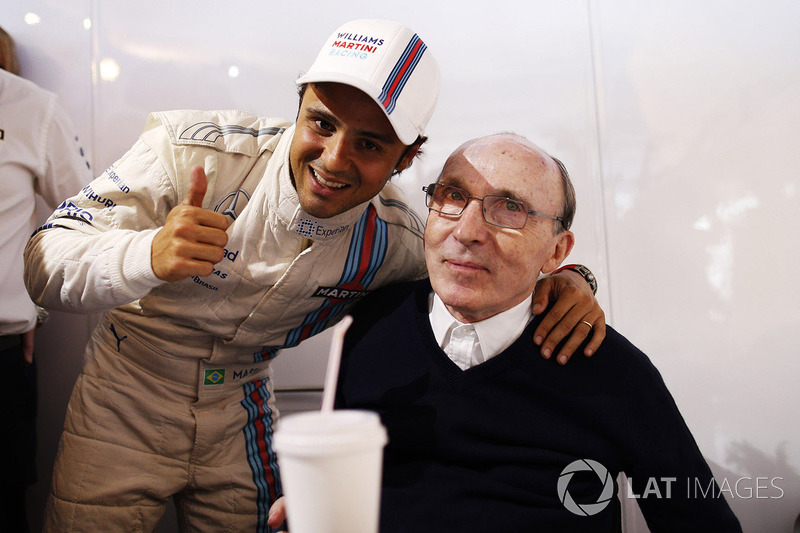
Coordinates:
column 390, row 63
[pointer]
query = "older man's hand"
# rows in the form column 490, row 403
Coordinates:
column 575, row 308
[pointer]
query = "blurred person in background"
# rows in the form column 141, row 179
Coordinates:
column 39, row 155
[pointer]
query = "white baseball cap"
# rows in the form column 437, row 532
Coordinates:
column 390, row 63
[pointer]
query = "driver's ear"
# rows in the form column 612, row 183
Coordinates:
column 409, row 154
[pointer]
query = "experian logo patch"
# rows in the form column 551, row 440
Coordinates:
column 310, row 229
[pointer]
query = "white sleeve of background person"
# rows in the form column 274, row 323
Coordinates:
column 66, row 170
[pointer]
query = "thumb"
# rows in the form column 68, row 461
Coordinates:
column 541, row 295
column 197, row 187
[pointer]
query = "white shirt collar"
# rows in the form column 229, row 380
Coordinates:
column 494, row 334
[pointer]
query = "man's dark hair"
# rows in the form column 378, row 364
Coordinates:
column 569, row 204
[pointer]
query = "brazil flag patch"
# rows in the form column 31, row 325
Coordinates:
column 214, row 377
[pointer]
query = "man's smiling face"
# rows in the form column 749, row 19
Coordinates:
column 344, row 149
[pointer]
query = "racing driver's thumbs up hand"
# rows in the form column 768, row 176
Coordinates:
column 192, row 240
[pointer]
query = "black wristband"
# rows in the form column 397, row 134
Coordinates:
column 583, row 271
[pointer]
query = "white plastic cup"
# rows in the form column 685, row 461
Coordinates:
column 330, row 465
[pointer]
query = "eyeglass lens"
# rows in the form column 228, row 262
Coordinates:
column 497, row 210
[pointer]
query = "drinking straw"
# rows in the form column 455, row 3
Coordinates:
column 334, row 358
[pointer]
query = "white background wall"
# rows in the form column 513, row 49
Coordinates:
column 678, row 121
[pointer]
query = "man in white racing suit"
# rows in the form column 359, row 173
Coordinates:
column 218, row 239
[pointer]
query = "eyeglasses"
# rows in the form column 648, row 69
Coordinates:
column 497, row 210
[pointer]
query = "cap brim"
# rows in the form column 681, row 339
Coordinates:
column 403, row 127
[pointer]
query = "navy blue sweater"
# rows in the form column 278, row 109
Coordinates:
column 490, row 448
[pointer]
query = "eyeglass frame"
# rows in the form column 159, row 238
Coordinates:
column 429, row 191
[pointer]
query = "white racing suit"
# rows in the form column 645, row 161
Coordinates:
column 175, row 396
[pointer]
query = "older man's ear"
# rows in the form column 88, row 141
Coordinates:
column 563, row 246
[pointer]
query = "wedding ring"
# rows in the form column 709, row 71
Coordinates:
column 588, row 324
